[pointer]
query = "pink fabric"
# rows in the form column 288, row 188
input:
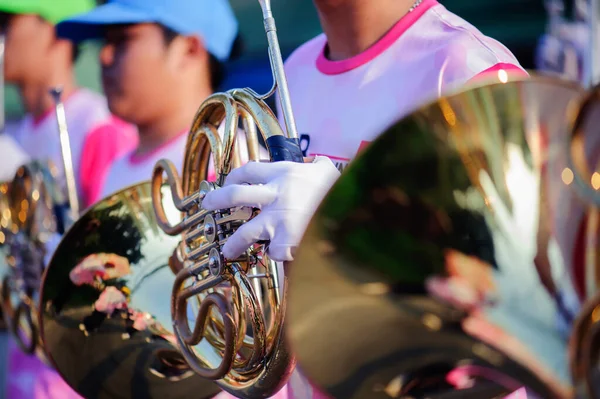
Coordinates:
column 129, row 169
column 518, row 394
column 336, row 67
column 103, row 145
column 428, row 53
column 307, row 391
column 30, row 378
column 511, row 70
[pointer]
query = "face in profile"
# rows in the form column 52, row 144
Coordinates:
column 138, row 70
column 28, row 44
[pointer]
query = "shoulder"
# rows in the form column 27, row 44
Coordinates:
column 464, row 51
column 85, row 98
column 111, row 135
column 307, row 53
column 87, row 109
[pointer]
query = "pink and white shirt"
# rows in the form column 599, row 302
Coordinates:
column 96, row 139
column 131, row 169
column 340, row 106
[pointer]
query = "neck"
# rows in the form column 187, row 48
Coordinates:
column 35, row 95
column 170, row 124
column 352, row 26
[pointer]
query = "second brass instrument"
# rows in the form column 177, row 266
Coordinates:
column 451, row 259
column 38, row 213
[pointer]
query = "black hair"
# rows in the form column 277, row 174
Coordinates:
column 75, row 52
column 217, row 68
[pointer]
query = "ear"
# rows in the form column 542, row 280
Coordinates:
column 194, row 48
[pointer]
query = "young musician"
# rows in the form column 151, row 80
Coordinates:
column 37, row 60
column 374, row 63
column 157, row 68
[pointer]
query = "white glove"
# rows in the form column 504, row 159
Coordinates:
column 287, row 193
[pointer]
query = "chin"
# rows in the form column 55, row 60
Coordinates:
column 120, row 110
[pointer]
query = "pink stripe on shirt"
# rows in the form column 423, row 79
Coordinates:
column 102, row 147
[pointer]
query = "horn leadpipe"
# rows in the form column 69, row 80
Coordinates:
column 278, row 70
column 65, row 148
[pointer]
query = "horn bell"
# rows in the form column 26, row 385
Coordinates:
column 440, row 264
column 104, row 316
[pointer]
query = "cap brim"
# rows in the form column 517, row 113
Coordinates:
column 90, row 25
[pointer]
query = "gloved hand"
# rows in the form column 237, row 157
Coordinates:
column 287, row 194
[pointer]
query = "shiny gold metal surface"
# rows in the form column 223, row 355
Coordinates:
column 38, row 214
column 584, row 350
column 4, row 225
column 105, row 318
column 29, row 222
column 441, row 262
column 584, row 161
column 236, row 338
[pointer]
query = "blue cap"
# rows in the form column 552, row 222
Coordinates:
column 212, row 20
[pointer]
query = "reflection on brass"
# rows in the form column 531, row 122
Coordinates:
column 228, row 314
column 584, row 350
column 104, row 316
column 30, row 220
column 463, row 210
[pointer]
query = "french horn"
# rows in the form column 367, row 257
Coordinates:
column 37, row 214
column 117, row 296
column 446, row 260
column 236, row 306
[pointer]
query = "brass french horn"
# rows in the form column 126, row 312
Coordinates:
column 37, row 214
column 236, row 306
column 441, row 263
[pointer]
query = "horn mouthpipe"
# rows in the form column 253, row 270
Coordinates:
column 278, row 69
column 65, row 147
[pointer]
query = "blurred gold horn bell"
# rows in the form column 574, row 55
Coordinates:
column 40, row 211
column 29, row 223
column 443, row 263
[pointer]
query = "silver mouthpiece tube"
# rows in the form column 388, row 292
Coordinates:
column 278, row 70
column 65, row 147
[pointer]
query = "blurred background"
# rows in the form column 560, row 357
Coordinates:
column 516, row 23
